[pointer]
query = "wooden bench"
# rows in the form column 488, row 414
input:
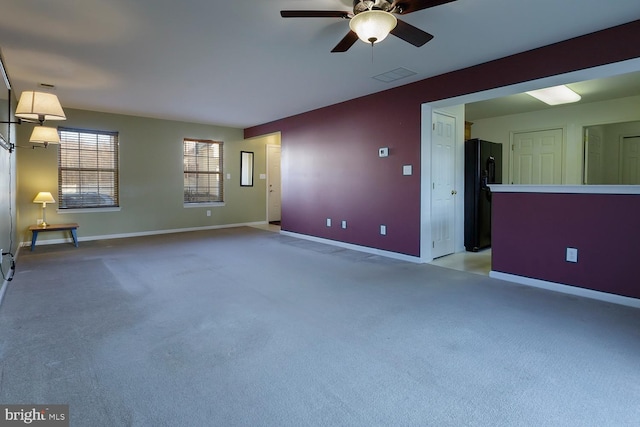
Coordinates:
column 35, row 229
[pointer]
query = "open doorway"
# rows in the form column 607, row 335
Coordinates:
column 274, row 195
column 611, row 76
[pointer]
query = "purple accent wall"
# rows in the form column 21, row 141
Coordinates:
column 531, row 231
column 330, row 166
column 331, row 169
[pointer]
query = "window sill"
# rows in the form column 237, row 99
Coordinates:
column 87, row 210
column 203, row 205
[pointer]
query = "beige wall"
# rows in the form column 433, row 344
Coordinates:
column 151, row 179
column 572, row 118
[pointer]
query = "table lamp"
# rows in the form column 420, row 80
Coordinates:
column 44, row 197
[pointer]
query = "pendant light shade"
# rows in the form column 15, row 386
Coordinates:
column 373, row 26
column 39, row 106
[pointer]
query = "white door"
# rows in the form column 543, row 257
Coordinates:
column 274, row 197
column 630, row 161
column 443, row 188
column 537, row 157
column 594, row 159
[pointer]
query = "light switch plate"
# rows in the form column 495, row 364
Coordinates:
column 328, row 222
column 344, row 224
column 383, row 230
column 383, row 152
column 407, row 170
column 572, row 255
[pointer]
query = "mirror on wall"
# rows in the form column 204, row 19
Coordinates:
column 612, row 154
column 246, row 169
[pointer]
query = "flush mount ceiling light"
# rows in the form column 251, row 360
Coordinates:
column 39, row 106
column 373, row 26
column 555, row 95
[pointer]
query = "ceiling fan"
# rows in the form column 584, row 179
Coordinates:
column 372, row 20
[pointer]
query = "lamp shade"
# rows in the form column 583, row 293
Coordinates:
column 45, row 134
column 373, row 26
column 44, row 197
column 39, row 106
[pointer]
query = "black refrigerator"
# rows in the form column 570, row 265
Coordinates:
column 483, row 166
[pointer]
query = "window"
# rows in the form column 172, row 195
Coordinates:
column 202, row 171
column 87, row 169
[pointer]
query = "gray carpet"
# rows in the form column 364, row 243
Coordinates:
column 244, row 327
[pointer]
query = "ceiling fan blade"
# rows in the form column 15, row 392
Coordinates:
column 314, row 14
column 346, row 42
column 411, row 34
column 408, row 6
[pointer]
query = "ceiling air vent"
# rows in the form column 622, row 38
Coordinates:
column 393, row 75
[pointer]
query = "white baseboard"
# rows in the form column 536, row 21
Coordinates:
column 139, row 233
column 567, row 289
column 359, row 248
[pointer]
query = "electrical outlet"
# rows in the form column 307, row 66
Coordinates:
column 328, row 222
column 208, row 213
column 344, row 224
column 572, row 255
column 383, row 230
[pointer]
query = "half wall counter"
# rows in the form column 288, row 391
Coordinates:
column 580, row 239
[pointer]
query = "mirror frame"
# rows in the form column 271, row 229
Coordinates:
column 5, row 137
column 246, row 168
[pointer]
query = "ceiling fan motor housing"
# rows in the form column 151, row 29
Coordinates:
column 364, row 5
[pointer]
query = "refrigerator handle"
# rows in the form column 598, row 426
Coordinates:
column 491, row 169
column 489, row 176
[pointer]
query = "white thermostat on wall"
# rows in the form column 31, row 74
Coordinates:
column 383, row 152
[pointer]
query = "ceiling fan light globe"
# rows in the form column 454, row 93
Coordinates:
column 373, row 25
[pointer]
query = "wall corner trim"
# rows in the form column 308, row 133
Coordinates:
column 566, row 289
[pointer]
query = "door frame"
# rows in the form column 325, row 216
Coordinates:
column 607, row 70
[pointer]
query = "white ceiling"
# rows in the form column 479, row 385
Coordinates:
column 238, row 63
